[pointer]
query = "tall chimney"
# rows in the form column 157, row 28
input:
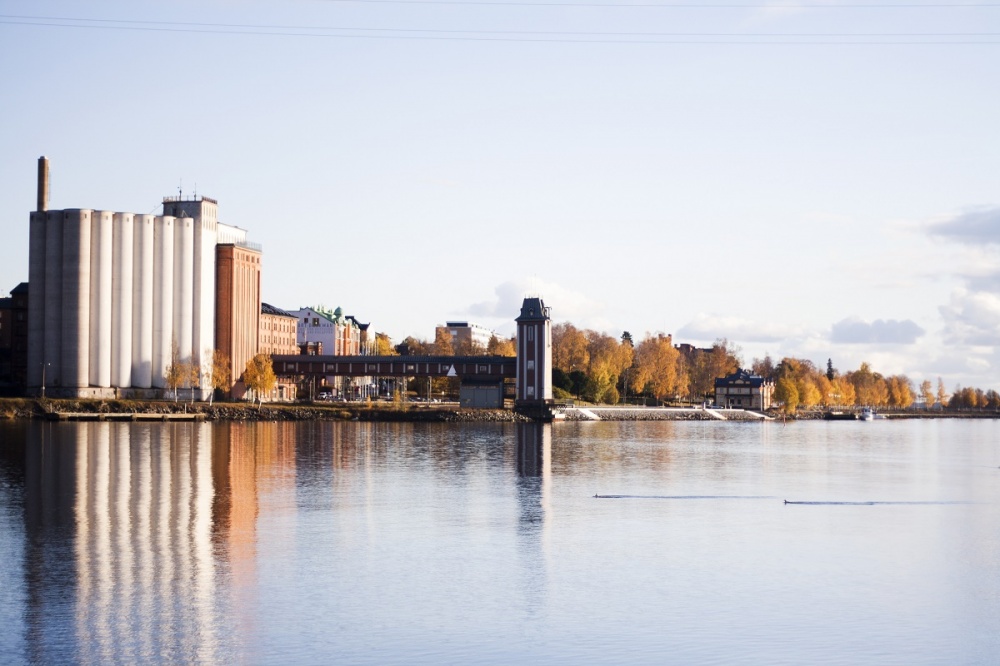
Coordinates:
column 43, row 183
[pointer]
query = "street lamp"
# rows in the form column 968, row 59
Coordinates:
column 44, row 365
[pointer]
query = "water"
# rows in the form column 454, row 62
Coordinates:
column 419, row 543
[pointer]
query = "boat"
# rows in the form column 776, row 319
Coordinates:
column 840, row 416
column 867, row 414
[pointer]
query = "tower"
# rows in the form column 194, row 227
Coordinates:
column 534, row 354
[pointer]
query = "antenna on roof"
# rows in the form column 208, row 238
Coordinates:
column 180, row 190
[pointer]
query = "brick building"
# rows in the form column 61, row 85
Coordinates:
column 238, row 307
column 277, row 336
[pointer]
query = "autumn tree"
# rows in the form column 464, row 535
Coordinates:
column 383, row 345
column 843, row 392
column 411, row 346
column 927, row 393
column 942, row 395
column 220, row 375
column 900, row 391
column 259, row 376
column 176, row 372
column 569, row 348
column 609, row 357
column 501, row 346
column 655, row 368
column 705, row 366
column 992, row 399
column 442, row 342
column 786, row 393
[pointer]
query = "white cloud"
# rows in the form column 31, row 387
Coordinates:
column 567, row 304
column 974, row 227
column 881, row 331
column 972, row 318
column 710, row 327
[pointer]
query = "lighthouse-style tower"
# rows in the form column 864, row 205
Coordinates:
column 534, row 355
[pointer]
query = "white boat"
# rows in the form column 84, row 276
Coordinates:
column 867, row 414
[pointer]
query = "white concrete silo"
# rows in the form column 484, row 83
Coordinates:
column 76, row 298
column 101, row 259
column 36, row 306
column 163, row 297
column 184, row 287
column 203, row 342
column 142, row 301
column 121, row 299
column 52, row 315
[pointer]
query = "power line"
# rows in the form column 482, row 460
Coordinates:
column 126, row 24
column 673, row 5
column 722, row 38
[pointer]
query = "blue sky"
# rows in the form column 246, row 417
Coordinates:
column 811, row 180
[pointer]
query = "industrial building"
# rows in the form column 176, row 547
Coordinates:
column 116, row 298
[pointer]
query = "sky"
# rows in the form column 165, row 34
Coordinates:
column 817, row 180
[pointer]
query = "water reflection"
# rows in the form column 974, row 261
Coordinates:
column 431, row 543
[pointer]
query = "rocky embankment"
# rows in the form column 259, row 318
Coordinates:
column 18, row 408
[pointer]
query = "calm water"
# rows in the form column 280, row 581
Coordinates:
column 413, row 543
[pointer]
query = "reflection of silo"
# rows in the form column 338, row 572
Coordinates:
column 163, row 297
column 76, row 298
column 101, row 257
column 53, row 313
column 183, row 285
column 121, row 298
column 142, row 301
column 36, row 305
column 203, row 341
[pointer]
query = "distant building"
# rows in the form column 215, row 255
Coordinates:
column 743, row 390
column 277, row 336
column 466, row 337
column 340, row 335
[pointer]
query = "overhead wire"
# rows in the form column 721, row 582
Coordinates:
column 550, row 36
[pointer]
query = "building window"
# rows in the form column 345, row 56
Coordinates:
column 531, row 334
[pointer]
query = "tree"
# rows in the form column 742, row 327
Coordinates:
column 704, row 367
column 569, row 348
column 259, row 376
column 410, row 346
column 830, row 372
column 655, row 369
column 786, row 393
column 383, row 345
column 501, row 347
column 900, row 391
column 927, row 393
column 176, row 372
column 192, row 372
column 442, row 342
column 763, row 367
column 844, row 393
column 942, row 395
column 219, row 374
column 993, row 399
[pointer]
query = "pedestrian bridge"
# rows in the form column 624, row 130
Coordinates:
column 466, row 368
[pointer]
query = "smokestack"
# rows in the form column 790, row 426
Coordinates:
column 43, row 183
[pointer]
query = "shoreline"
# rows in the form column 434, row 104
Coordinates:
column 147, row 410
